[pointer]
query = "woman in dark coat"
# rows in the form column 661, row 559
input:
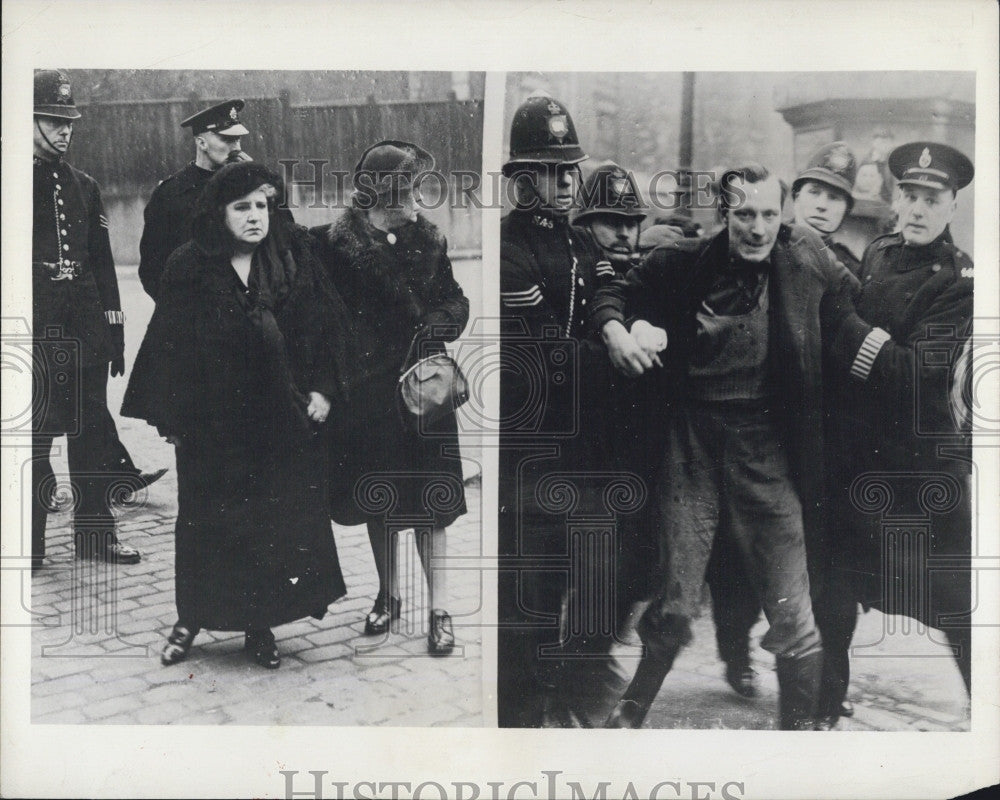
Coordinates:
column 391, row 267
column 238, row 369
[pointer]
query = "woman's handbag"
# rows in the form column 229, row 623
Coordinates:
column 431, row 388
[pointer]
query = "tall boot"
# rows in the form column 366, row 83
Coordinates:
column 798, row 684
column 663, row 637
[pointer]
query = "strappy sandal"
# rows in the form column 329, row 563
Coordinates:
column 178, row 644
column 385, row 610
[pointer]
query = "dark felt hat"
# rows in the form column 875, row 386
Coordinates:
column 390, row 163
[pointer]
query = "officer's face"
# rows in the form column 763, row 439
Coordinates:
column 247, row 219
column 217, row 148
column 819, row 206
column 753, row 221
column 923, row 212
column 555, row 187
column 617, row 236
column 52, row 135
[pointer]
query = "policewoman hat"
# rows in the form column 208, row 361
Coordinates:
column 610, row 189
column 222, row 118
column 54, row 95
column 383, row 160
column 542, row 132
column 930, row 164
column 833, row 165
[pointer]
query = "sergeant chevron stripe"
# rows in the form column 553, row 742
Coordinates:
column 527, row 297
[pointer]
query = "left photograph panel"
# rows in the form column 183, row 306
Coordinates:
column 255, row 476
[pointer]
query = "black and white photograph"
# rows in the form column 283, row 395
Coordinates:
column 248, row 523
column 751, row 299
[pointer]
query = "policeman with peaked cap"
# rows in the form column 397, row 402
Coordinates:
column 217, row 131
column 549, row 271
column 613, row 212
column 894, row 359
column 79, row 328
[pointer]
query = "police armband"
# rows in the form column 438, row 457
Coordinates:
column 115, row 317
column 868, row 352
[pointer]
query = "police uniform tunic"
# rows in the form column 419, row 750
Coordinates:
column 549, row 272
column 75, row 304
column 892, row 415
column 168, row 218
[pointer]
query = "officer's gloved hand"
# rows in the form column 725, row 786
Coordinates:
column 118, row 342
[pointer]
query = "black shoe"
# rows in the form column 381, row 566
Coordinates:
column 143, row 479
column 742, row 678
column 262, row 648
column 827, row 723
column 847, row 709
column 178, row 644
column 114, row 553
column 441, row 639
column 382, row 614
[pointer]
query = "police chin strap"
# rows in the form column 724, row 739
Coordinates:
column 55, row 150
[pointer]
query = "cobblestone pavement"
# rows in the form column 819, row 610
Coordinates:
column 902, row 679
column 95, row 652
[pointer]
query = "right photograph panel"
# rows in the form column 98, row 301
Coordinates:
column 736, row 487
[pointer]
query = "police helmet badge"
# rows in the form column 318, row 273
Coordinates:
column 64, row 90
column 558, row 126
column 838, row 159
column 619, row 185
column 925, row 158
column 232, row 114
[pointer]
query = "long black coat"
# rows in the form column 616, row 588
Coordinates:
column 395, row 290
column 904, row 465
column 253, row 538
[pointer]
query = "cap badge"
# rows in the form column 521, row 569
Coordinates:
column 618, row 186
column 63, row 90
column 558, row 126
column 925, row 159
column 232, row 114
column 554, row 107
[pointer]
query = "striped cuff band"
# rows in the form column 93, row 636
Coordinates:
column 115, row 317
column 867, row 353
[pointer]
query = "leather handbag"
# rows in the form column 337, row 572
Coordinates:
column 430, row 388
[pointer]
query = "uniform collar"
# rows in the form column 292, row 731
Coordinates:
column 913, row 256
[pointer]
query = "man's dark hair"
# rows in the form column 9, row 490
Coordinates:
column 750, row 172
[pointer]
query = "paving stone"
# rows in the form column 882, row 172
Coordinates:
column 928, row 713
column 71, row 717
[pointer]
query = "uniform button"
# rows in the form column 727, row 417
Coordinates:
column 580, row 281
column 62, row 216
column 63, row 231
column 868, row 278
column 65, row 247
column 55, row 174
column 936, row 268
column 66, row 261
column 60, row 201
column 58, row 187
column 583, row 302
